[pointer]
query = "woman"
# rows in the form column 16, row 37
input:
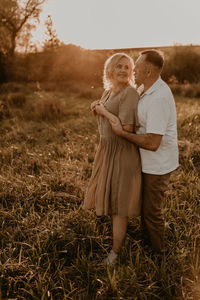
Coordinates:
column 115, row 185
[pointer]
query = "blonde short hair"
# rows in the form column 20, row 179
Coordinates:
column 109, row 66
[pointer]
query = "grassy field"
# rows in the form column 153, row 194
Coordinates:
column 50, row 247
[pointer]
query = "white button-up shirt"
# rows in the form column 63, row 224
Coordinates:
column 157, row 114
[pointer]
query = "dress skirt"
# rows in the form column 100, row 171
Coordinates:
column 115, row 183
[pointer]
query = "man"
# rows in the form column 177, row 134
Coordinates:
column 156, row 138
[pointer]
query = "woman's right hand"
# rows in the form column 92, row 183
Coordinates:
column 93, row 105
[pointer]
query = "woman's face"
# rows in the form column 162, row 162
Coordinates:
column 122, row 72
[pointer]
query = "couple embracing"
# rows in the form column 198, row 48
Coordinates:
column 138, row 147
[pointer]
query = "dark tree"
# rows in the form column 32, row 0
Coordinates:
column 14, row 16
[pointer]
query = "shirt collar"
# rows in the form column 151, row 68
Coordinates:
column 154, row 87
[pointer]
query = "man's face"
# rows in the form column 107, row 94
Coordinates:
column 140, row 70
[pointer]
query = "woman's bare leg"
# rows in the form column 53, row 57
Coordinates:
column 119, row 231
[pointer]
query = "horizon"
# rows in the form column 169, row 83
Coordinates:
column 121, row 49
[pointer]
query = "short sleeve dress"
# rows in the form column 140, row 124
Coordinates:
column 115, row 183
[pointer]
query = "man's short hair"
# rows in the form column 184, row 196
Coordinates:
column 155, row 57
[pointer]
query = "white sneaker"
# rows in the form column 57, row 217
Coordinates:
column 110, row 260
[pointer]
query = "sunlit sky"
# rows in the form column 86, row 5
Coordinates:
column 99, row 24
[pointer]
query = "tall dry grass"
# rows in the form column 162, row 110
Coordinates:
column 50, row 247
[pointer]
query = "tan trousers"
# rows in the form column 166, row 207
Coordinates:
column 154, row 187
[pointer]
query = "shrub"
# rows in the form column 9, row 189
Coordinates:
column 15, row 87
column 16, row 99
column 184, row 64
column 186, row 90
column 4, row 111
column 51, row 109
column 45, row 107
column 2, row 68
column 11, row 101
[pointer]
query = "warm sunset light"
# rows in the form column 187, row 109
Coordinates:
column 101, row 24
column 99, row 149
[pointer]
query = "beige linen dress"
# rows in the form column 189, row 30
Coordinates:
column 115, row 184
